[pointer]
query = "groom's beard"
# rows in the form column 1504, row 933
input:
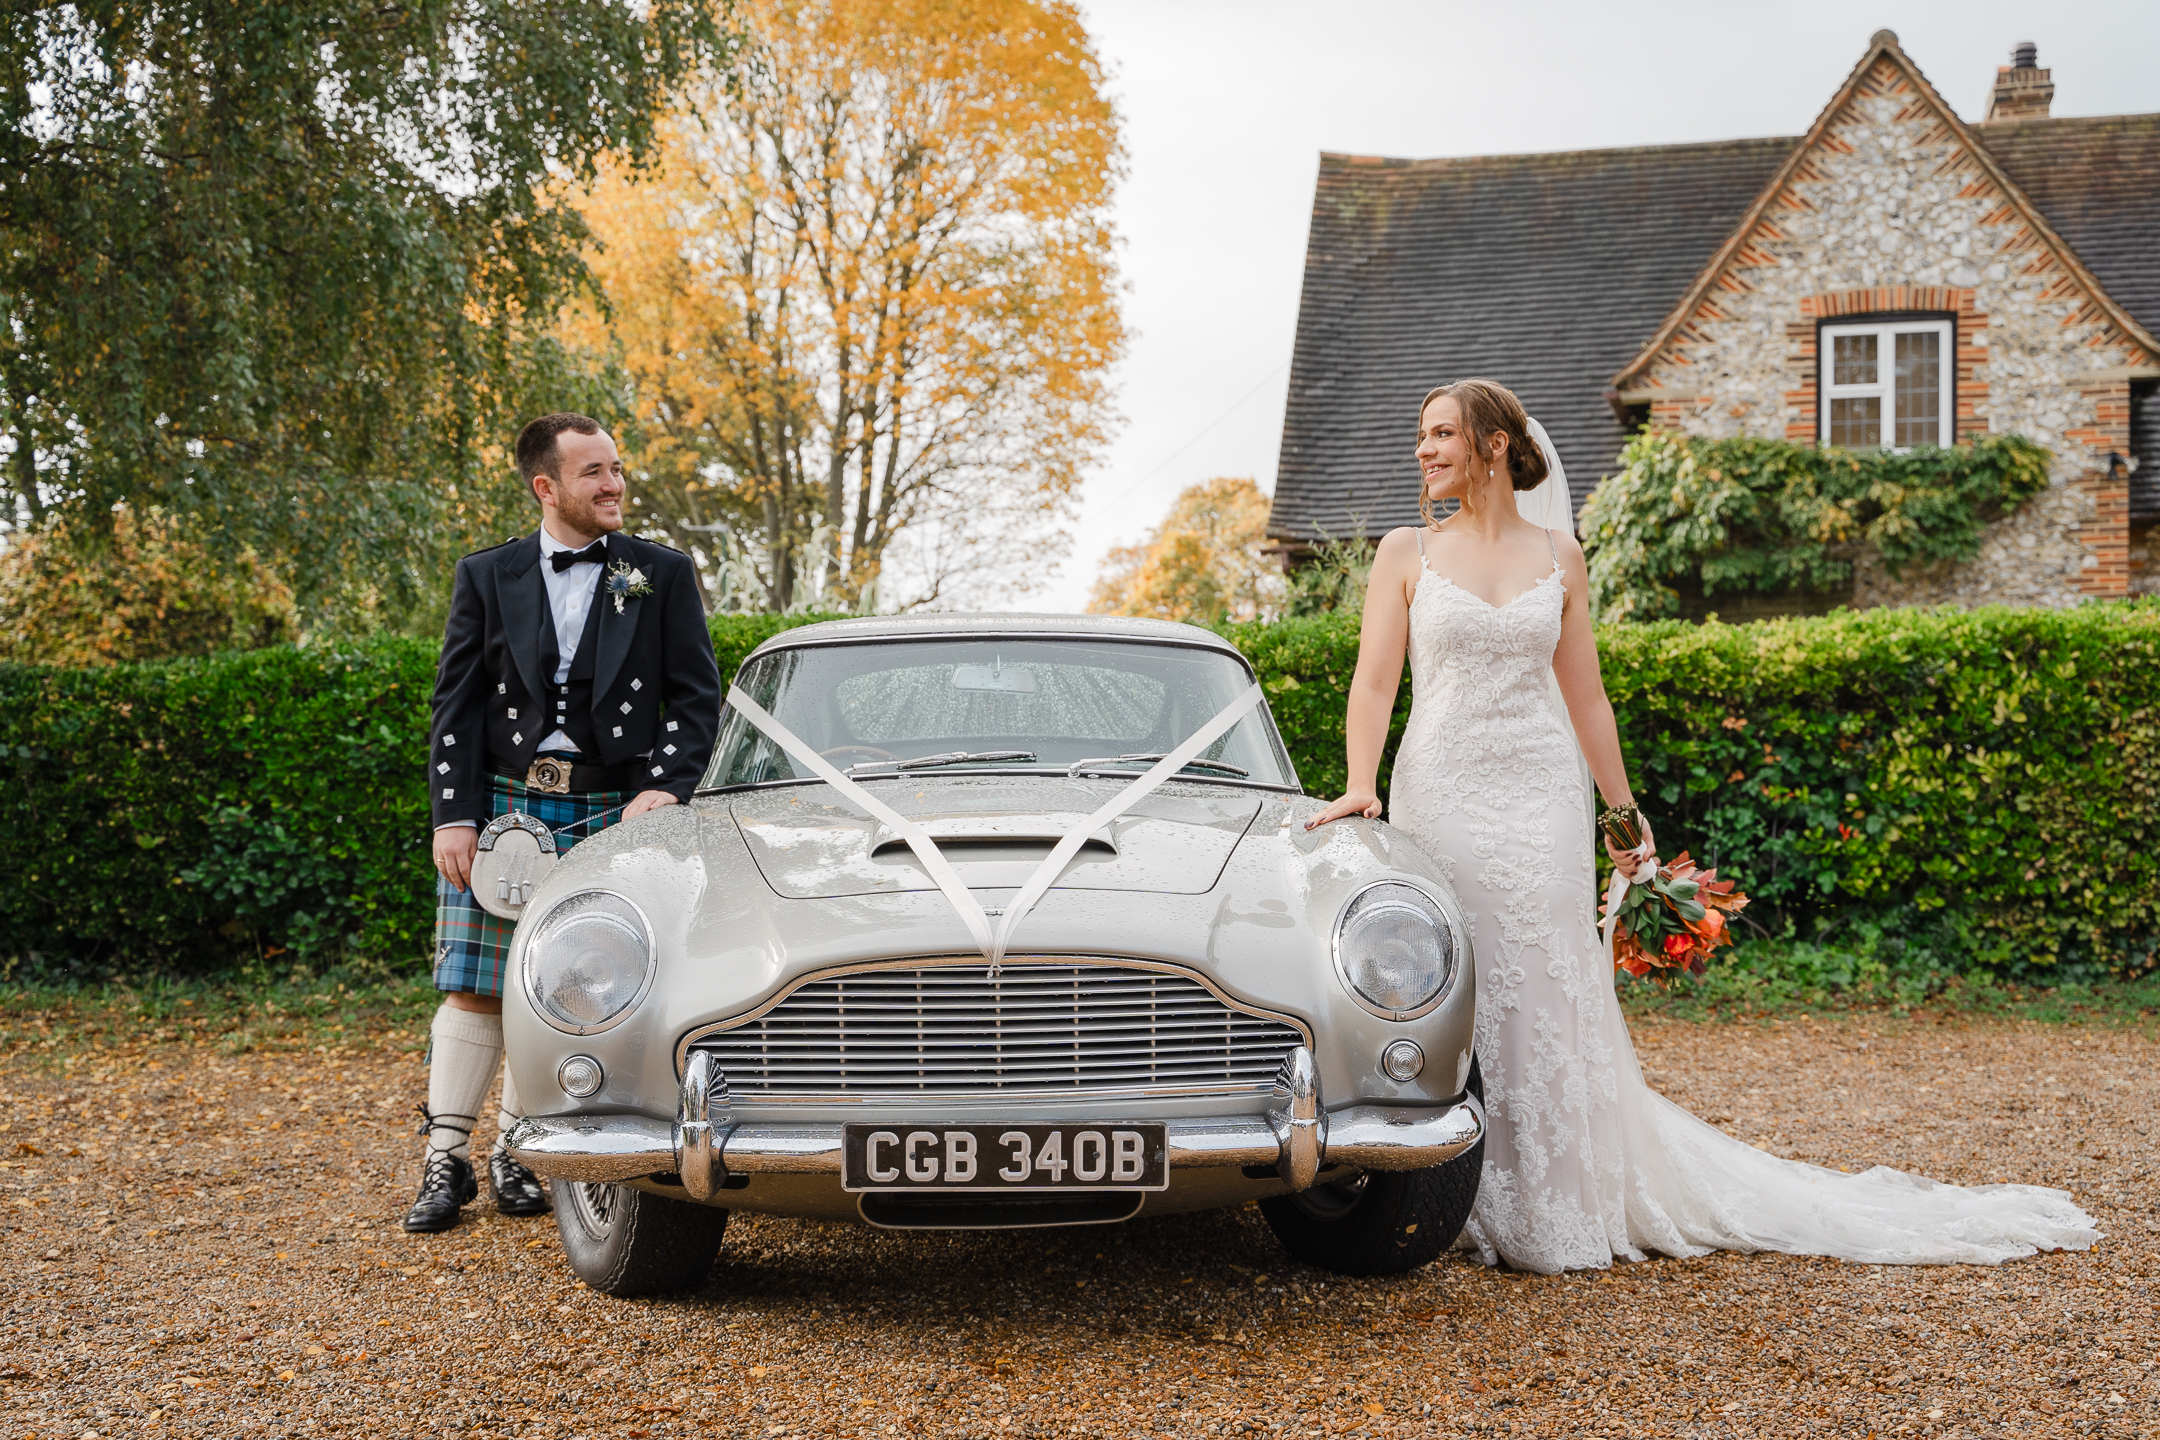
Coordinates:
column 582, row 515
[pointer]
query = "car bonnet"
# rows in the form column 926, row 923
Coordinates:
column 995, row 830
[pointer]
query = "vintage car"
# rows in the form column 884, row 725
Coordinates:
column 775, row 999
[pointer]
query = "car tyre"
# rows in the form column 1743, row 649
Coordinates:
column 1380, row 1222
column 629, row 1242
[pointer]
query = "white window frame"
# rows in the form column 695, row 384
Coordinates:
column 1885, row 386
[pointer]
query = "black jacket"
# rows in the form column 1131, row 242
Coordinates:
column 654, row 681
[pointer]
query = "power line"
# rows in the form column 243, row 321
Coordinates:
column 1201, row 433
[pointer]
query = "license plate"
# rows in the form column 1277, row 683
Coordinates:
column 1013, row 1159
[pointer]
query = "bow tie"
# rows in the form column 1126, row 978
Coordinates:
column 591, row 554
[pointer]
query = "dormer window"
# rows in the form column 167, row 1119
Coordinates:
column 1887, row 384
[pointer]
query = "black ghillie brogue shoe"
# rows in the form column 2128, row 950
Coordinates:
column 517, row 1189
column 445, row 1187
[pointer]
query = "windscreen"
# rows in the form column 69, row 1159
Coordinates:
column 868, row 705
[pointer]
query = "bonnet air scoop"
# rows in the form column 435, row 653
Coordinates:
column 995, row 830
column 986, row 848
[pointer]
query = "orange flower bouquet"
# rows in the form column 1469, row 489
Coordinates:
column 1672, row 920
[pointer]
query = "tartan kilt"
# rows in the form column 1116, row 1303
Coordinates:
column 471, row 945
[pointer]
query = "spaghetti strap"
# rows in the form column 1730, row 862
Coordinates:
column 1549, row 545
column 1421, row 548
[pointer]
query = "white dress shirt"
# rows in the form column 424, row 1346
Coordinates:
column 570, row 595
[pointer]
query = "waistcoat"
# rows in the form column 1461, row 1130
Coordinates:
column 569, row 705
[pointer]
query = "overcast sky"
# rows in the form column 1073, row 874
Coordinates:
column 1227, row 105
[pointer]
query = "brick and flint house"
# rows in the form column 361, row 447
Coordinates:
column 1894, row 276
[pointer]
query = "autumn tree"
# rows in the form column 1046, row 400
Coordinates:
column 868, row 301
column 294, row 267
column 147, row 588
column 1203, row 564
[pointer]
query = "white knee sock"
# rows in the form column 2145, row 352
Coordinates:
column 509, row 1112
column 467, row 1045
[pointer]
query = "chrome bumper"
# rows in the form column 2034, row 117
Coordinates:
column 1296, row 1138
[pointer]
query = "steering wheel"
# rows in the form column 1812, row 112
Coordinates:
column 868, row 751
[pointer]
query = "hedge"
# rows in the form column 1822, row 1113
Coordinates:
column 189, row 815
column 1986, row 783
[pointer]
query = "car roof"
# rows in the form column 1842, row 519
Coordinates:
column 947, row 625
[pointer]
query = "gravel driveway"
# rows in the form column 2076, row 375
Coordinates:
column 203, row 1244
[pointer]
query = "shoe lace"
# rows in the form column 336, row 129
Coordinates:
column 432, row 1120
column 440, row 1172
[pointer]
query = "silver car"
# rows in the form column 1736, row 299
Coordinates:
column 775, row 999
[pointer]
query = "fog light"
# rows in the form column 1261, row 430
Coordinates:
column 1402, row 1060
column 581, row 1075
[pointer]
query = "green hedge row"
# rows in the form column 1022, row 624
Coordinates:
column 1985, row 783
column 193, row 814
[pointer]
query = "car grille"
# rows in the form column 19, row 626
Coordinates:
column 1030, row 1030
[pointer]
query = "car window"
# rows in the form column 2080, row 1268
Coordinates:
column 1061, row 699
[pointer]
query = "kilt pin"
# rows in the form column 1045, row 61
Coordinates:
column 472, row 946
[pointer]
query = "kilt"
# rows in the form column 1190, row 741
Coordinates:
column 471, row 945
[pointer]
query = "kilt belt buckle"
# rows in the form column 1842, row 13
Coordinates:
column 549, row 776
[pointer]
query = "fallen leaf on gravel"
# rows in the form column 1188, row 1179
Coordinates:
column 894, row 1322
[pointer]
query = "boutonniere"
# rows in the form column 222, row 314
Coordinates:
column 626, row 582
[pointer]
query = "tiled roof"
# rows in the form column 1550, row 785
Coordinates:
column 2097, row 180
column 1545, row 272
column 1549, row 272
column 2098, row 183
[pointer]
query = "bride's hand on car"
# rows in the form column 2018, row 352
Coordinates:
column 1630, row 862
column 1355, row 803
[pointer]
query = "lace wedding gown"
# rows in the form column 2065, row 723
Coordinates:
column 1583, row 1161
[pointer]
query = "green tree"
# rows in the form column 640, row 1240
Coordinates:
column 291, row 268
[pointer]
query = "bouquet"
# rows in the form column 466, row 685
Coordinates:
column 1671, row 919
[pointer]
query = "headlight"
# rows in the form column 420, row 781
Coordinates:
column 588, row 961
column 1394, row 950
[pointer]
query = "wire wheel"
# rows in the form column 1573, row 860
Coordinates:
column 595, row 1207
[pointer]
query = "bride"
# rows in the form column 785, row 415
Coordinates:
column 1583, row 1161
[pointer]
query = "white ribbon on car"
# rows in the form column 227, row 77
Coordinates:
column 993, row 942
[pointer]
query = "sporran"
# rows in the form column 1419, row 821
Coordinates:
column 516, row 853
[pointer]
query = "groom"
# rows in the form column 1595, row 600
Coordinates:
column 577, row 677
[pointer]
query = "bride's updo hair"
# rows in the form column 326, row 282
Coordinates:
column 1489, row 408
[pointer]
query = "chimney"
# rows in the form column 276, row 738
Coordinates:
column 2023, row 91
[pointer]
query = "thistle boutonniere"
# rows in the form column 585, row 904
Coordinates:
column 626, row 582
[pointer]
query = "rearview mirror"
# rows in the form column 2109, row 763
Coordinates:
column 1016, row 681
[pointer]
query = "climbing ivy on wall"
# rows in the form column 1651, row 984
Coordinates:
column 1770, row 517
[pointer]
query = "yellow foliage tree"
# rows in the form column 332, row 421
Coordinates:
column 868, row 297
column 1204, row 563
column 148, row 590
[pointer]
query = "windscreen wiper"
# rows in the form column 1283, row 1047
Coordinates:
column 1083, row 767
column 932, row 762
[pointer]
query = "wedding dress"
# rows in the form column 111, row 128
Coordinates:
column 1583, row 1161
